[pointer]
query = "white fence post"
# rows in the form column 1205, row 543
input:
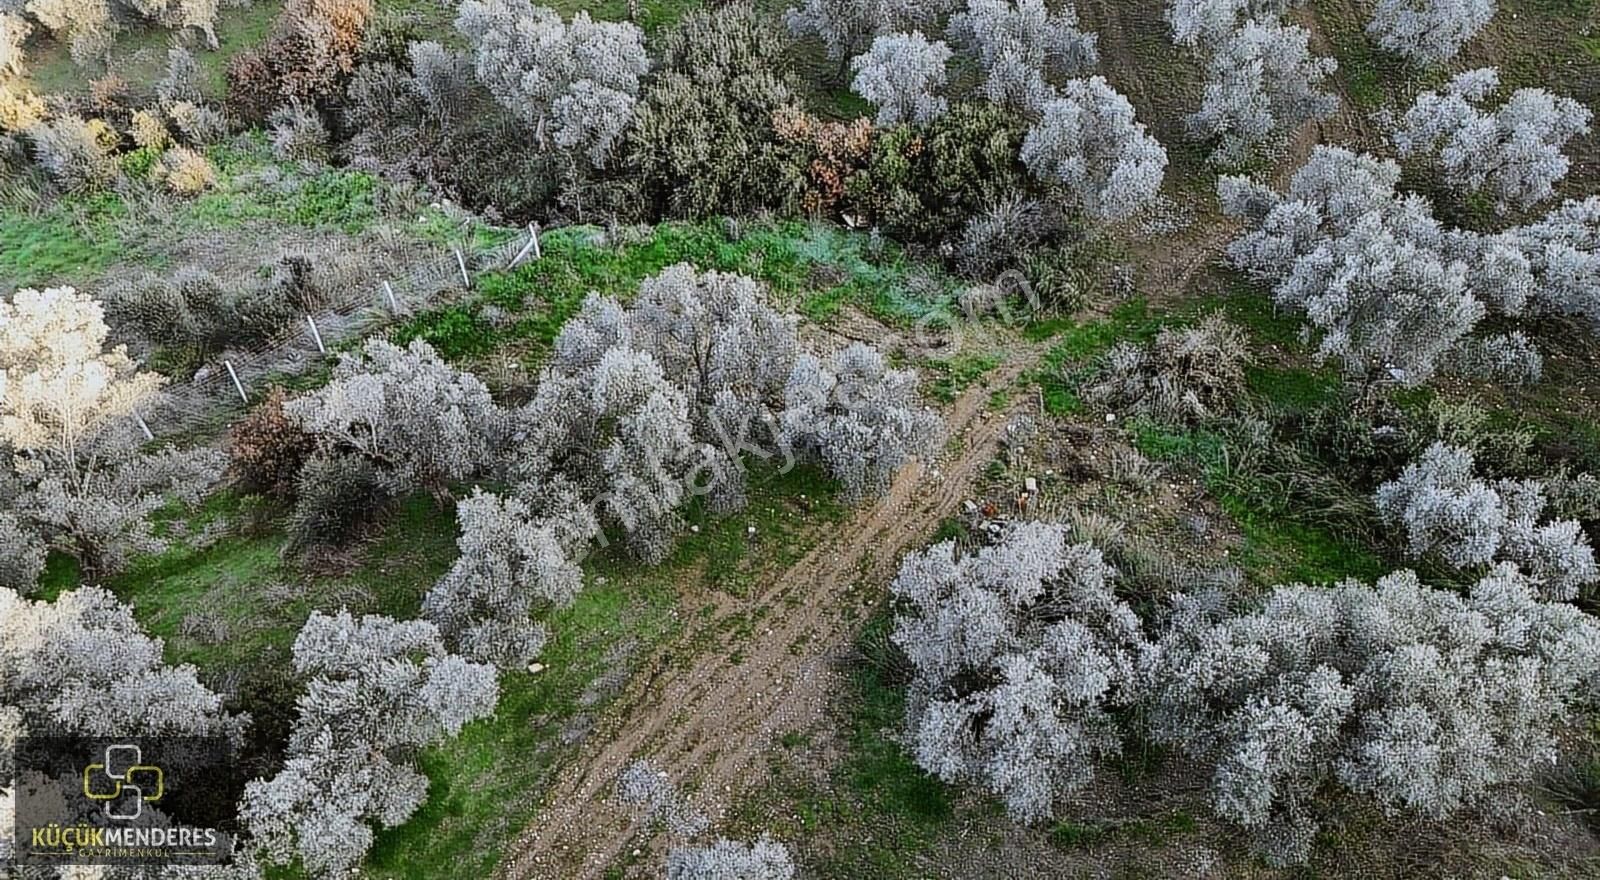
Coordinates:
column 316, row 334
column 388, row 291
column 236, row 384
column 532, row 245
column 144, row 427
column 466, row 280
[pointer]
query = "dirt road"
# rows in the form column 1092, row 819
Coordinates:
column 714, row 722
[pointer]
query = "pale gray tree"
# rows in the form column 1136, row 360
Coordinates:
column 714, row 332
column 1513, row 153
column 77, row 153
column 1423, row 700
column 1427, row 32
column 846, row 27
column 608, row 422
column 510, row 566
column 1393, row 293
column 1024, row 48
column 297, row 133
column 81, row 665
column 576, row 83
column 74, row 453
column 1469, row 522
column 765, row 859
column 423, row 422
column 645, row 786
column 1261, row 84
column 379, row 690
column 181, row 82
column 1206, row 23
column 1022, row 650
column 22, row 554
column 442, row 78
column 1089, row 144
column 1561, row 259
column 1384, row 305
column 903, row 74
column 858, row 418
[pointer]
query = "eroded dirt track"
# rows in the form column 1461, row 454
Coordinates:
column 714, row 721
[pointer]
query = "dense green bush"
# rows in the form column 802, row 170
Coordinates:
column 926, row 183
column 335, row 494
column 703, row 141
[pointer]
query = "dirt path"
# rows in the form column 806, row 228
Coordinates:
column 714, row 722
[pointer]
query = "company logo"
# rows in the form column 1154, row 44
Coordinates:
column 133, row 801
column 132, row 783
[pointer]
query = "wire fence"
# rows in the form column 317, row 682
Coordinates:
column 229, row 382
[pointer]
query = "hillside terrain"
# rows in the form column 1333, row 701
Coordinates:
column 720, row 441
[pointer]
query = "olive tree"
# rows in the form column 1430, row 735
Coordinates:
column 765, row 859
column 1559, row 267
column 1089, row 145
column 1470, row 522
column 1393, row 293
column 511, row 564
column 1026, row 50
column 845, row 27
column 1021, row 651
column 81, row 665
column 379, row 690
column 576, row 83
column 607, row 422
column 76, row 460
column 902, row 74
column 424, row 423
column 1208, row 22
column 1385, row 306
column 1427, row 32
column 858, row 418
column 1261, row 83
column 1422, row 700
column 1513, row 153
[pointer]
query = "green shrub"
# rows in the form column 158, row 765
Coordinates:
column 703, row 141
column 335, row 494
column 925, row 184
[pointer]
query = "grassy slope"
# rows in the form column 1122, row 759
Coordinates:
column 76, row 238
column 875, row 814
column 233, row 606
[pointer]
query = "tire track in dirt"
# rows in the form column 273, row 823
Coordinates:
column 712, row 723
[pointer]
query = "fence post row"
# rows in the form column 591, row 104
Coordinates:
column 433, row 283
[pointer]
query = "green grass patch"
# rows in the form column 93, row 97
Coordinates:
column 1281, row 544
column 957, row 374
column 1078, row 345
column 325, row 198
column 72, row 240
